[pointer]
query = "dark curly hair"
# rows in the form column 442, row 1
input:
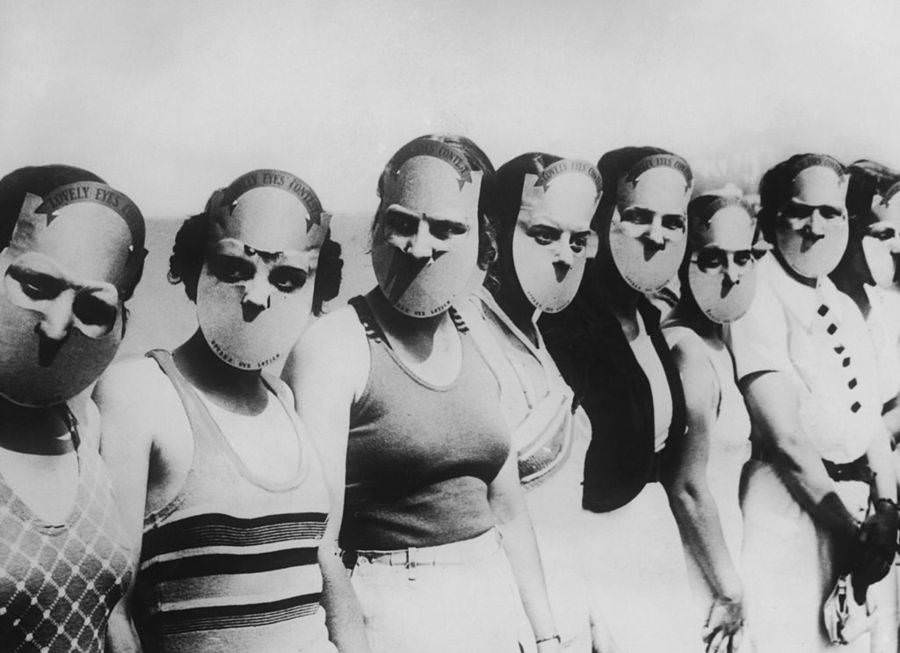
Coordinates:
column 478, row 161
column 40, row 180
column 189, row 252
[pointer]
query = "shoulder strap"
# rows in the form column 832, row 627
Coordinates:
column 364, row 314
column 202, row 424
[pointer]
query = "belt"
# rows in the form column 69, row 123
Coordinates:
column 454, row 553
column 857, row 470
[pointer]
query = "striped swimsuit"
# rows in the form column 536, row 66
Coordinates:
column 230, row 564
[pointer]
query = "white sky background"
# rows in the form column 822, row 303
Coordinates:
column 169, row 100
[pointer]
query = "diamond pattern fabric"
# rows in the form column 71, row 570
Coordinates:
column 59, row 582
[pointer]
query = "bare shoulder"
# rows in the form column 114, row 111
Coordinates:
column 698, row 376
column 133, row 381
column 135, row 397
column 335, row 343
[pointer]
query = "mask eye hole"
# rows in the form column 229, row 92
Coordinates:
column 637, row 215
column 673, row 221
column 883, row 233
column 543, row 235
column 445, row 229
column 743, row 257
column 710, row 259
column 830, row 212
column 287, row 279
column 37, row 286
column 401, row 224
column 94, row 310
column 579, row 242
column 231, row 269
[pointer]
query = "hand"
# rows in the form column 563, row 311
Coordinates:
column 724, row 625
column 876, row 548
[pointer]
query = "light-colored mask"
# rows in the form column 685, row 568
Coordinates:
column 552, row 238
column 61, row 316
column 255, row 290
column 722, row 271
column 812, row 230
column 882, row 240
column 425, row 241
column 647, row 237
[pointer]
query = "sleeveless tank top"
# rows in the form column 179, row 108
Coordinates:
column 231, row 563
column 59, row 582
column 420, row 456
column 729, row 440
column 535, row 400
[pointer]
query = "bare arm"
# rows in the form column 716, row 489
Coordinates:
column 326, row 370
column 125, row 446
column 772, row 402
column 507, row 500
column 692, row 503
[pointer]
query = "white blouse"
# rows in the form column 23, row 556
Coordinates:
column 818, row 337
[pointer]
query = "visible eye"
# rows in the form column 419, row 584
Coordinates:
column 743, row 257
column 544, row 235
column 579, row 242
column 637, row 215
column 798, row 211
column 709, row 259
column 402, row 224
column 93, row 310
column 287, row 279
column 231, row 269
column 443, row 229
column 673, row 221
column 830, row 212
column 885, row 233
column 35, row 285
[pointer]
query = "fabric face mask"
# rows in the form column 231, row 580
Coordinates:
column 647, row 234
column 722, row 272
column 254, row 293
column 61, row 318
column 812, row 230
column 425, row 242
column 552, row 238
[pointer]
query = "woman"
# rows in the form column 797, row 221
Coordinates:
column 609, row 347
column 410, row 418
column 866, row 273
column 72, row 254
column 222, row 492
column 867, row 270
column 541, row 209
column 806, row 366
column 718, row 283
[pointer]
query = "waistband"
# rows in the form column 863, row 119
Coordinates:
column 453, row 553
column 856, row 470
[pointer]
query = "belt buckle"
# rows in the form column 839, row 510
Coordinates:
column 411, row 563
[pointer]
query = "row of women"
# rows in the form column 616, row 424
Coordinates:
column 438, row 469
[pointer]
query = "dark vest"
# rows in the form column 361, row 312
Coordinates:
column 590, row 348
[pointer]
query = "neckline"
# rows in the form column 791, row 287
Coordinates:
column 539, row 353
column 24, row 511
column 458, row 323
column 256, row 479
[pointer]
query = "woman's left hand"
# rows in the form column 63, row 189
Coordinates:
column 724, row 626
